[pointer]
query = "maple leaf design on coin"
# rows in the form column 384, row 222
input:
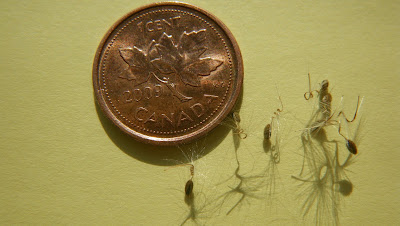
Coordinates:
column 168, row 61
column 138, row 61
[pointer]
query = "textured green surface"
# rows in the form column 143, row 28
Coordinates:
column 63, row 163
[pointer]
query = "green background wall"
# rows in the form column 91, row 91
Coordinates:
column 62, row 162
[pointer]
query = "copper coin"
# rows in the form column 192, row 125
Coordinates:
column 167, row 73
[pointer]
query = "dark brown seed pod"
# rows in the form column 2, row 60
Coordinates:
column 189, row 187
column 351, row 146
column 324, row 85
column 267, row 132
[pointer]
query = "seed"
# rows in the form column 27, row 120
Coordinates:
column 189, row 187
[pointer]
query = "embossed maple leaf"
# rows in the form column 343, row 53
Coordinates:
column 184, row 58
column 139, row 62
column 167, row 61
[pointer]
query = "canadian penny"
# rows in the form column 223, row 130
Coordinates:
column 167, row 73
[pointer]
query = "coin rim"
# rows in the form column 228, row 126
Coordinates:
column 186, row 137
